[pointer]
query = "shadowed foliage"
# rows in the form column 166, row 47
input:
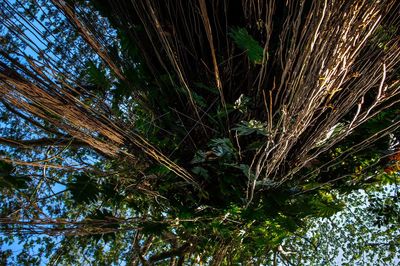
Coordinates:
column 191, row 122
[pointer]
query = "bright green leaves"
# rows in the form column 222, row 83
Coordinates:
column 264, row 231
column 246, row 42
column 249, row 127
column 270, row 232
column 326, row 205
column 319, row 203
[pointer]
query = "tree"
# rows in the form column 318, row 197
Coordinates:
column 353, row 236
column 191, row 131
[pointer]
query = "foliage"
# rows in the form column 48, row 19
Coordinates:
column 136, row 133
column 246, row 42
column 349, row 237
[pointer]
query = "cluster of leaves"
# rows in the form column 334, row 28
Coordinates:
column 118, row 201
column 10, row 181
column 351, row 230
column 246, row 42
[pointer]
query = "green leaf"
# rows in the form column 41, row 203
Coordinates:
column 97, row 76
column 246, row 170
column 249, row 127
column 222, row 147
column 199, row 157
column 242, row 103
column 200, row 171
column 83, row 189
column 199, row 100
column 246, row 42
column 324, row 208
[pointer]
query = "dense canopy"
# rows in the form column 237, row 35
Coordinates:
column 199, row 132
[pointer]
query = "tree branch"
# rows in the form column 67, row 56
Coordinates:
column 42, row 142
column 138, row 251
column 168, row 254
column 33, row 122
